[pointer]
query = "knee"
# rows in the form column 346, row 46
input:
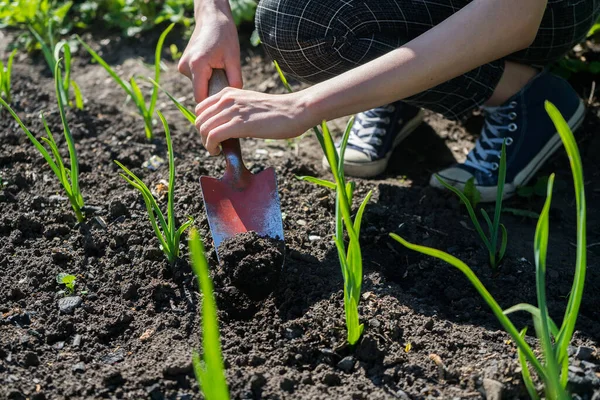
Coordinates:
column 277, row 24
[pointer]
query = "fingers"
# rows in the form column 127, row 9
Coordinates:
column 206, row 104
column 219, row 134
column 209, row 119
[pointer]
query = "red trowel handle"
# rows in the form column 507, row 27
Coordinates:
column 236, row 172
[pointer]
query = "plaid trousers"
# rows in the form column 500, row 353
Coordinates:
column 313, row 40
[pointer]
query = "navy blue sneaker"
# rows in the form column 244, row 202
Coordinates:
column 530, row 135
column 374, row 135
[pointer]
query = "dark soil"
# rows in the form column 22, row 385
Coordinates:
column 428, row 334
column 251, row 263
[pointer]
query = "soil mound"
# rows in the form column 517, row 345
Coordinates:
column 251, row 263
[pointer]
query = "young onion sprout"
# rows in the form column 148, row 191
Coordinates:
column 166, row 231
column 69, row 178
column 552, row 367
column 131, row 88
column 209, row 369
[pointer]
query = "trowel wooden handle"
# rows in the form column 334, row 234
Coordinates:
column 218, row 81
column 235, row 172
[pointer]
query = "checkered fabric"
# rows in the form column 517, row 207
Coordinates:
column 314, row 40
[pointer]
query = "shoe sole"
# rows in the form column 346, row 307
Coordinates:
column 374, row 168
column 489, row 193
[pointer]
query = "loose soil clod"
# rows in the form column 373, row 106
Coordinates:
column 251, row 263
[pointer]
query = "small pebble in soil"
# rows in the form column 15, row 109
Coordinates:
column 584, row 353
column 346, row 364
column 287, row 385
column 31, row 359
column 257, row 381
column 331, row 379
column 493, row 389
column 251, row 263
column 77, row 341
column 79, row 367
column 66, row 305
column 22, row 319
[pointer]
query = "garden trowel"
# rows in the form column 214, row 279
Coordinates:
column 240, row 201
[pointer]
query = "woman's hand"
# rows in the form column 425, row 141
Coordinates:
column 214, row 45
column 236, row 113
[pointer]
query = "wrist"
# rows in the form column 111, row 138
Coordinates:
column 308, row 108
column 209, row 10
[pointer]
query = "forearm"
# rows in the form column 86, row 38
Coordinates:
column 207, row 9
column 483, row 31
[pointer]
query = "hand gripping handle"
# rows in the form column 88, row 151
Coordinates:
column 236, row 172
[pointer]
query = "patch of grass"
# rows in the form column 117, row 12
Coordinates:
column 552, row 366
column 131, row 88
column 167, row 232
column 69, row 178
column 209, row 369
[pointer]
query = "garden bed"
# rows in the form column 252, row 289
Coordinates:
column 133, row 333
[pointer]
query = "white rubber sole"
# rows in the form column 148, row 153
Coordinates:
column 374, row 168
column 489, row 193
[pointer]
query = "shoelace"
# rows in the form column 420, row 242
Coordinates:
column 368, row 129
column 497, row 123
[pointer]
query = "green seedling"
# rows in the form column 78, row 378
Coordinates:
column 552, row 367
column 131, row 88
column 471, row 193
column 166, row 230
column 350, row 257
column 494, row 227
column 188, row 114
column 69, row 178
column 52, row 57
column 5, row 75
column 209, row 369
column 68, row 280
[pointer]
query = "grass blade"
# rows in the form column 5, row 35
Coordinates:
column 7, row 77
column 32, row 138
column 470, row 210
column 282, row 77
column 525, row 371
column 189, row 115
column 503, row 243
column 78, row 97
column 360, row 212
column 496, row 309
column 211, row 372
column 60, row 95
column 171, row 191
column 107, row 67
column 499, row 196
column 157, row 57
column 344, row 144
column 317, row 181
column 568, row 325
